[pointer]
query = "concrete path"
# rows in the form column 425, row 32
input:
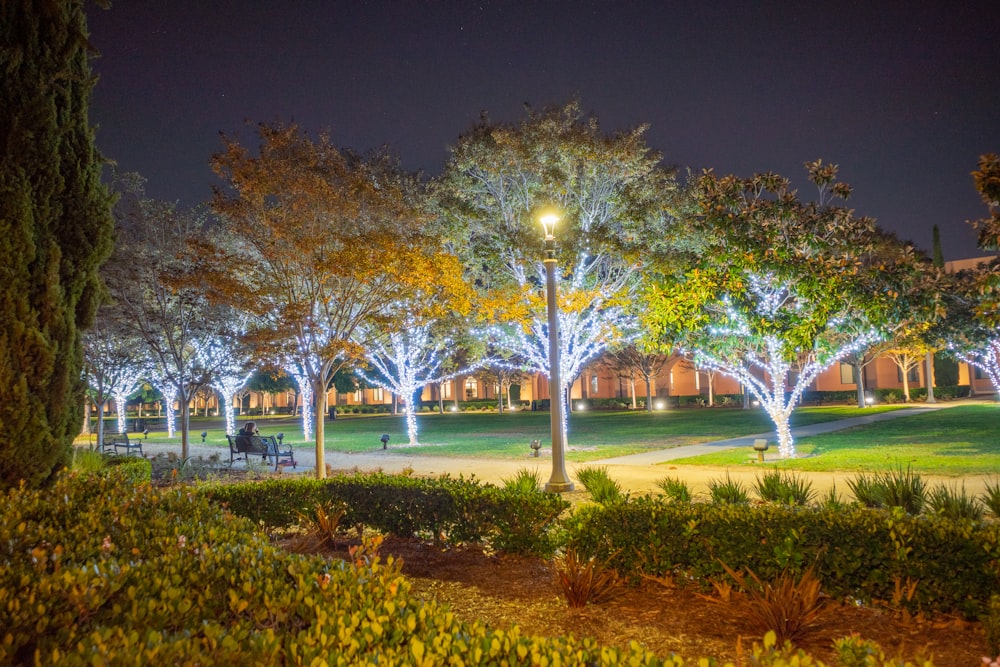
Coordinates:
column 637, row 473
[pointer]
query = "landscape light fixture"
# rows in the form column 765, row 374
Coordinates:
column 559, row 482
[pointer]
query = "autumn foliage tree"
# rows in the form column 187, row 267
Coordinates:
column 56, row 222
column 321, row 244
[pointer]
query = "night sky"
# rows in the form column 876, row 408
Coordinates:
column 904, row 96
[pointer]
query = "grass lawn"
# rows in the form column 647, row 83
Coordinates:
column 592, row 435
column 962, row 440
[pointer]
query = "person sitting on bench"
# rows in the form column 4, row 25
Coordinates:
column 243, row 438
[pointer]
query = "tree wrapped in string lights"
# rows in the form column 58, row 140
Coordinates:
column 782, row 288
column 610, row 192
column 404, row 362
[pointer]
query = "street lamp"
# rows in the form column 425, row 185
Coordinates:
column 559, row 482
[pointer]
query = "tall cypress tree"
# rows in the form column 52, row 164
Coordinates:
column 938, row 254
column 55, row 231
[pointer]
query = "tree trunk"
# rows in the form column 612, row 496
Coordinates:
column 906, row 386
column 319, row 403
column 185, row 410
column 649, row 394
column 930, row 377
column 859, row 380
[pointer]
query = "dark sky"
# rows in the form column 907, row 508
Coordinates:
column 904, row 96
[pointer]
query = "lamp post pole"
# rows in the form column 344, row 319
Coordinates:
column 559, row 482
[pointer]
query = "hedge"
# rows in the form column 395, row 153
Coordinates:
column 860, row 553
column 445, row 509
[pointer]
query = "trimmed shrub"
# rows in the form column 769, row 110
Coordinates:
column 448, row 510
column 858, row 553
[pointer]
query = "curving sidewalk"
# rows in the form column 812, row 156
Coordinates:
column 636, row 473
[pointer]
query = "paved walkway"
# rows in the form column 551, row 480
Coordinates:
column 637, row 473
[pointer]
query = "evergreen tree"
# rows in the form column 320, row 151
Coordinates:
column 936, row 248
column 55, row 230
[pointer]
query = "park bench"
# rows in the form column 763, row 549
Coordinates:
column 122, row 441
column 265, row 446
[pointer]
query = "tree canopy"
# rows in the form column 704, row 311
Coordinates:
column 321, row 245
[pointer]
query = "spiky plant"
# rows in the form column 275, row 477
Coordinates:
column 584, row 580
column 728, row 491
column 789, row 606
column 991, row 498
column 599, row 484
column 523, row 481
column 778, row 486
column 675, row 489
column 954, row 503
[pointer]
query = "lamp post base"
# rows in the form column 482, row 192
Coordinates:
column 559, row 487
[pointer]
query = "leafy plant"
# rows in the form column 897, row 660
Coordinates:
column 991, row 498
column 954, row 503
column 523, row 481
column 778, row 486
column 728, row 491
column 788, row 606
column 853, row 651
column 675, row 489
column 584, row 580
column 319, row 530
column 598, row 482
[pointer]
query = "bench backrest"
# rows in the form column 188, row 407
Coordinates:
column 120, row 439
column 250, row 443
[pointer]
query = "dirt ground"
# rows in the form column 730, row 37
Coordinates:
column 504, row 590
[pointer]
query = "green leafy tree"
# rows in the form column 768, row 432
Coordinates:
column 56, row 223
column 782, row 290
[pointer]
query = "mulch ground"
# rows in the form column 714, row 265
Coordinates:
column 504, row 590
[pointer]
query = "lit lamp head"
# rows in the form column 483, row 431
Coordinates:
column 549, row 220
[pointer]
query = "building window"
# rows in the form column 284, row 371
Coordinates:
column 378, row 395
column 446, row 390
column 847, row 374
column 471, row 388
column 978, row 373
column 358, row 396
column 593, row 385
column 913, row 375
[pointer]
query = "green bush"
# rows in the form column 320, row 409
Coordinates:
column 174, row 580
column 450, row 510
column 859, row 553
